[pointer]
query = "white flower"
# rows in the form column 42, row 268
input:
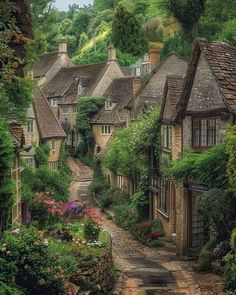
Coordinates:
column 45, row 242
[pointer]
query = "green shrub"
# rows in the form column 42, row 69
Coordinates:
column 42, row 153
column 119, row 197
column 205, row 259
column 230, row 272
column 105, row 201
column 157, row 226
column 233, row 240
column 91, row 230
column 9, row 289
column 126, row 216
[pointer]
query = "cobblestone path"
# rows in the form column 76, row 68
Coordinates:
column 145, row 271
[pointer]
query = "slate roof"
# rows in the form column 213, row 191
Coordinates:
column 48, row 125
column 172, row 93
column 119, row 92
column 128, row 72
column 44, row 64
column 65, row 77
column 221, row 59
column 17, row 134
column 151, row 91
column 70, row 95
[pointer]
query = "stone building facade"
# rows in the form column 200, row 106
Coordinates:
column 70, row 83
column 205, row 110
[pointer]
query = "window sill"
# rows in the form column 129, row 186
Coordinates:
column 163, row 214
column 167, row 150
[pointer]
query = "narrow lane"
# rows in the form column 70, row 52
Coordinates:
column 145, row 271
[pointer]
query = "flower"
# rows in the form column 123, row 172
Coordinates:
column 41, row 282
column 45, row 242
column 16, row 231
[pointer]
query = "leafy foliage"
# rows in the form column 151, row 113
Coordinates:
column 209, row 167
column 126, row 153
column 6, row 184
column 230, row 145
column 219, row 209
column 42, row 153
column 87, row 107
column 127, row 34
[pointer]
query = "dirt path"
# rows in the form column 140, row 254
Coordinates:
column 145, row 270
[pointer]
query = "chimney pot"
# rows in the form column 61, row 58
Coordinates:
column 111, row 53
column 63, row 46
column 136, row 84
column 154, row 57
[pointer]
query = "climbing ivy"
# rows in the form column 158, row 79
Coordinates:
column 87, row 108
column 230, row 147
column 6, row 183
column 127, row 152
column 209, row 167
column 42, row 153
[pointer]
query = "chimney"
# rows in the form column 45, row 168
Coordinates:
column 154, row 58
column 63, row 46
column 136, row 84
column 111, row 53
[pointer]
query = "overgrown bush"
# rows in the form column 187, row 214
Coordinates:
column 126, row 216
column 38, row 272
column 158, row 227
column 219, row 209
column 41, row 156
column 206, row 256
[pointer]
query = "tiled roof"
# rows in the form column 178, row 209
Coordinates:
column 70, row 95
column 151, row 92
column 172, row 92
column 120, row 91
column 44, row 64
column 221, row 59
column 17, row 134
column 48, row 125
column 128, row 72
column 65, row 77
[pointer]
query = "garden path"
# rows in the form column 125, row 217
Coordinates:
column 145, row 271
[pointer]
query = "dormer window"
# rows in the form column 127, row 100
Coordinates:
column 108, row 105
column 80, row 88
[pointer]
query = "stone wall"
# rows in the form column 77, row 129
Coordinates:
column 96, row 275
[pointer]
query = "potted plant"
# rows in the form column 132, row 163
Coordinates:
column 91, row 230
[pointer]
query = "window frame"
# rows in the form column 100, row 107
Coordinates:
column 167, row 136
column 204, row 134
column 63, row 110
column 30, row 126
column 106, row 129
column 164, row 195
column 53, row 102
column 53, row 145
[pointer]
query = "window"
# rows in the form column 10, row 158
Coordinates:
column 65, row 109
column 205, row 132
column 164, row 196
column 30, row 126
column 74, row 109
column 53, row 165
column 29, row 161
column 53, row 102
column 53, row 145
column 167, row 136
column 108, row 104
column 106, row 129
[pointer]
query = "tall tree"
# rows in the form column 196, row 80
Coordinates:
column 187, row 12
column 127, row 33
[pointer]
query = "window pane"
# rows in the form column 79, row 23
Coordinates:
column 196, row 133
column 203, row 133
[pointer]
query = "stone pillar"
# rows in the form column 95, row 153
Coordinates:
column 62, row 46
column 111, row 53
column 136, row 84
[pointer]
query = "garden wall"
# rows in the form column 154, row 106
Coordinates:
column 96, row 274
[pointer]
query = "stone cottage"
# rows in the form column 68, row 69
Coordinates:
column 162, row 191
column 49, row 64
column 151, row 92
column 206, row 107
column 49, row 128
column 71, row 83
